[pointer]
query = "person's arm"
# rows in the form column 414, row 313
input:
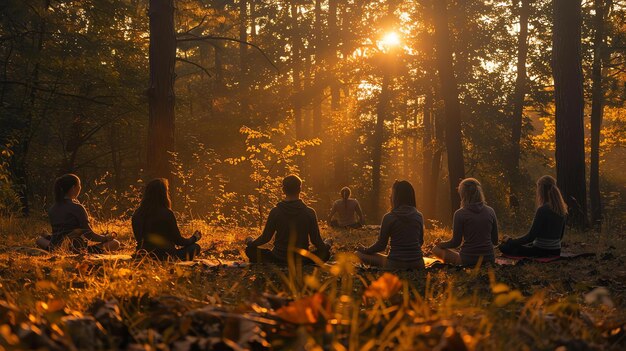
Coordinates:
column 314, row 233
column 359, row 213
column 174, row 233
column 533, row 232
column 268, row 231
column 457, row 233
column 494, row 230
column 383, row 237
column 85, row 225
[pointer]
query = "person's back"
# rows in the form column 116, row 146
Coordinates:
column 476, row 222
column 549, row 229
column 294, row 222
column 346, row 211
column 65, row 217
column 153, row 231
column 155, row 228
column 406, row 231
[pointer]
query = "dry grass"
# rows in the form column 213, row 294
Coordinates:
column 167, row 306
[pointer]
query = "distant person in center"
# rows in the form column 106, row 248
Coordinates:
column 70, row 221
column 294, row 224
column 155, row 228
column 474, row 229
column 546, row 232
column 404, row 227
column 348, row 211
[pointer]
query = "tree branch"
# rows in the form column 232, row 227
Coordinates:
column 211, row 37
column 194, row 64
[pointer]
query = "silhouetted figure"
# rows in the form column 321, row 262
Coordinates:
column 70, row 221
column 155, row 228
column 348, row 211
column 546, row 232
column 474, row 229
column 293, row 223
column 403, row 226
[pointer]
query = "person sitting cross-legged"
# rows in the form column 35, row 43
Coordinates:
column 155, row 228
column 293, row 223
column 404, row 227
column 545, row 235
column 345, row 210
column 70, row 222
column 474, row 229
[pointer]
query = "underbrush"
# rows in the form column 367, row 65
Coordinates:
column 66, row 301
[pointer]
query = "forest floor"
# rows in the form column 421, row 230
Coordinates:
column 65, row 301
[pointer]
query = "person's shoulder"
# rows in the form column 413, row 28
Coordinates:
column 75, row 205
column 544, row 210
column 490, row 210
column 311, row 211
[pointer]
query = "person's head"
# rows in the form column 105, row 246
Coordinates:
column 402, row 194
column 345, row 193
column 156, row 194
column 292, row 185
column 549, row 193
column 471, row 192
column 66, row 186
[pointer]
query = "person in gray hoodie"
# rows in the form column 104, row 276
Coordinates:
column 474, row 229
column 404, row 227
column 293, row 223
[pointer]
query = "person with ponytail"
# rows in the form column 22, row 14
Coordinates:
column 346, row 208
column 402, row 228
column 546, row 232
column 155, row 228
column 474, row 229
column 70, row 221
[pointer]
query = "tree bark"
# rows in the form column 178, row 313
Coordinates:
column 569, row 101
column 519, row 93
column 295, row 66
column 449, row 89
column 427, row 153
column 243, row 57
column 161, row 92
column 597, row 106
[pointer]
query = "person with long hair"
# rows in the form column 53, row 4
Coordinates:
column 402, row 229
column 155, row 228
column 70, row 221
column 348, row 211
column 474, row 229
column 546, row 232
column 294, row 226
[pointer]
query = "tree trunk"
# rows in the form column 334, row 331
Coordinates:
column 161, row 92
column 519, row 93
column 569, row 101
column 597, row 106
column 243, row 57
column 379, row 139
column 295, row 66
column 449, row 89
column 427, row 153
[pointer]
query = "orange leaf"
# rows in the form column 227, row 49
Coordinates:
column 303, row 311
column 384, row 287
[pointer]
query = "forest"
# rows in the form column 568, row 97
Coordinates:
column 224, row 98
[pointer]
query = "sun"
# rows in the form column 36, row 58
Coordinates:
column 390, row 40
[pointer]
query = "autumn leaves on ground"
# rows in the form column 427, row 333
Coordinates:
column 64, row 301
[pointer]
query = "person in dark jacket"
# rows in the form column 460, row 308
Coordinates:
column 155, row 228
column 294, row 224
column 70, row 221
column 546, row 232
column 404, row 227
column 474, row 229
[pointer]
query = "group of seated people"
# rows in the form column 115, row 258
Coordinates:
column 293, row 225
